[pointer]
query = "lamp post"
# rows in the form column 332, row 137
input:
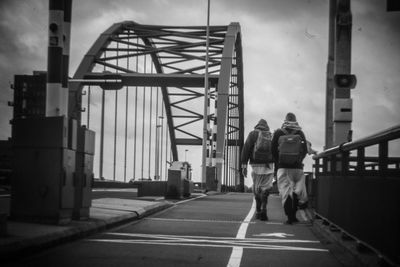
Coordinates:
column 157, row 154
column 206, row 95
column 186, row 150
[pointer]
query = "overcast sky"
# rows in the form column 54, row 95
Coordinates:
column 284, row 43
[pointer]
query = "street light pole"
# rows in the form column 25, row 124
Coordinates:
column 206, row 95
column 186, row 150
column 157, row 154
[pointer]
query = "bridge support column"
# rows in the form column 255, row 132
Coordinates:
column 211, row 179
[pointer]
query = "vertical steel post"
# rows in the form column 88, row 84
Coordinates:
column 151, row 121
column 88, row 108
column 214, row 134
column 156, row 153
column 329, row 76
column 166, row 152
column 143, row 119
column 115, row 133
column 135, row 128
column 115, row 122
column 102, row 134
column 126, row 113
column 206, row 95
column 156, row 141
column 161, row 140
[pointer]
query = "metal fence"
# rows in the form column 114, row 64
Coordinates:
column 360, row 193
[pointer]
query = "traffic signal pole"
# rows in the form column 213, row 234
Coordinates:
column 343, row 81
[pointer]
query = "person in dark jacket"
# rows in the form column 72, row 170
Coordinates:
column 262, row 169
column 290, row 176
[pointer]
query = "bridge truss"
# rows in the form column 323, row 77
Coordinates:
column 142, row 74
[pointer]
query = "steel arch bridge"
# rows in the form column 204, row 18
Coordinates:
column 169, row 59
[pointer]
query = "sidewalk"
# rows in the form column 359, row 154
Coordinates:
column 23, row 237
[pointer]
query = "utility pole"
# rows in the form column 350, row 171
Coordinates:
column 329, row 77
column 206, row 96
column 343, row 80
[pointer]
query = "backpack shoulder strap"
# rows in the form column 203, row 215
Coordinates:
column 286, row 132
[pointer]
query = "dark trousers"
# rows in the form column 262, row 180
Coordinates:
column 290, row 207
column 261, row 200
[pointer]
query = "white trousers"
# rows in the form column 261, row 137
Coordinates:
column 289, row 181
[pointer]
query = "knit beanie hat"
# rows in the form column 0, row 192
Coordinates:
column 290, row 117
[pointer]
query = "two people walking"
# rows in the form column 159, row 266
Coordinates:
column 285, row 151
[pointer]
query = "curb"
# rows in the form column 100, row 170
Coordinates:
column 77, row 230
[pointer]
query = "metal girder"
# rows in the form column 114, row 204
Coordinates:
column 178, row 56
column 232, row 44
column 146, row 79
column 198, row 142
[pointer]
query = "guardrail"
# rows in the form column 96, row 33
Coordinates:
column 338, row 159
column 360, row 193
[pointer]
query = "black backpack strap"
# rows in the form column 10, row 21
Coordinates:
column 286, row 132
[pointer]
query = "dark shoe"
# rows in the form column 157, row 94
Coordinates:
column 289, row 221
column 258, row 215
column 292, row 217
column 288, row 206
column 264, row 216
column 303, row 206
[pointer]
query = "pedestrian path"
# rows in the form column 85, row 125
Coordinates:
column 23, row 237
column 254, row 242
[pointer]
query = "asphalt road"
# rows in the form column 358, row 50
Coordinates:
column 208, row 231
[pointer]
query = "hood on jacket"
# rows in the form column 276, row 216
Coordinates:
column 262, row 125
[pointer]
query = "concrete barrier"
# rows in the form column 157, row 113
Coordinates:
column 112, row 184
column 151, row 188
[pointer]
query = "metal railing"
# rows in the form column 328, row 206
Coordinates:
column 359, row 193
column 339, row 159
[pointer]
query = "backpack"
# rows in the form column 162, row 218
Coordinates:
column 262, row 147
column 290, row 148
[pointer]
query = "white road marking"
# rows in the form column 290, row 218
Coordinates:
column 282, row 235
column 210, row 238
column 237, row 243
column 202, row 241
column 191, row 220
column 237, row 252
column 190, row 199
column 203, row 220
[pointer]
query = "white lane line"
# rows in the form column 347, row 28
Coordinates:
column 201, row 220
column 237, row 252
column 211, row 244
column 190, row 199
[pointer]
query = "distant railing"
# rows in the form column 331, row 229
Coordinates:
column 360, row 194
